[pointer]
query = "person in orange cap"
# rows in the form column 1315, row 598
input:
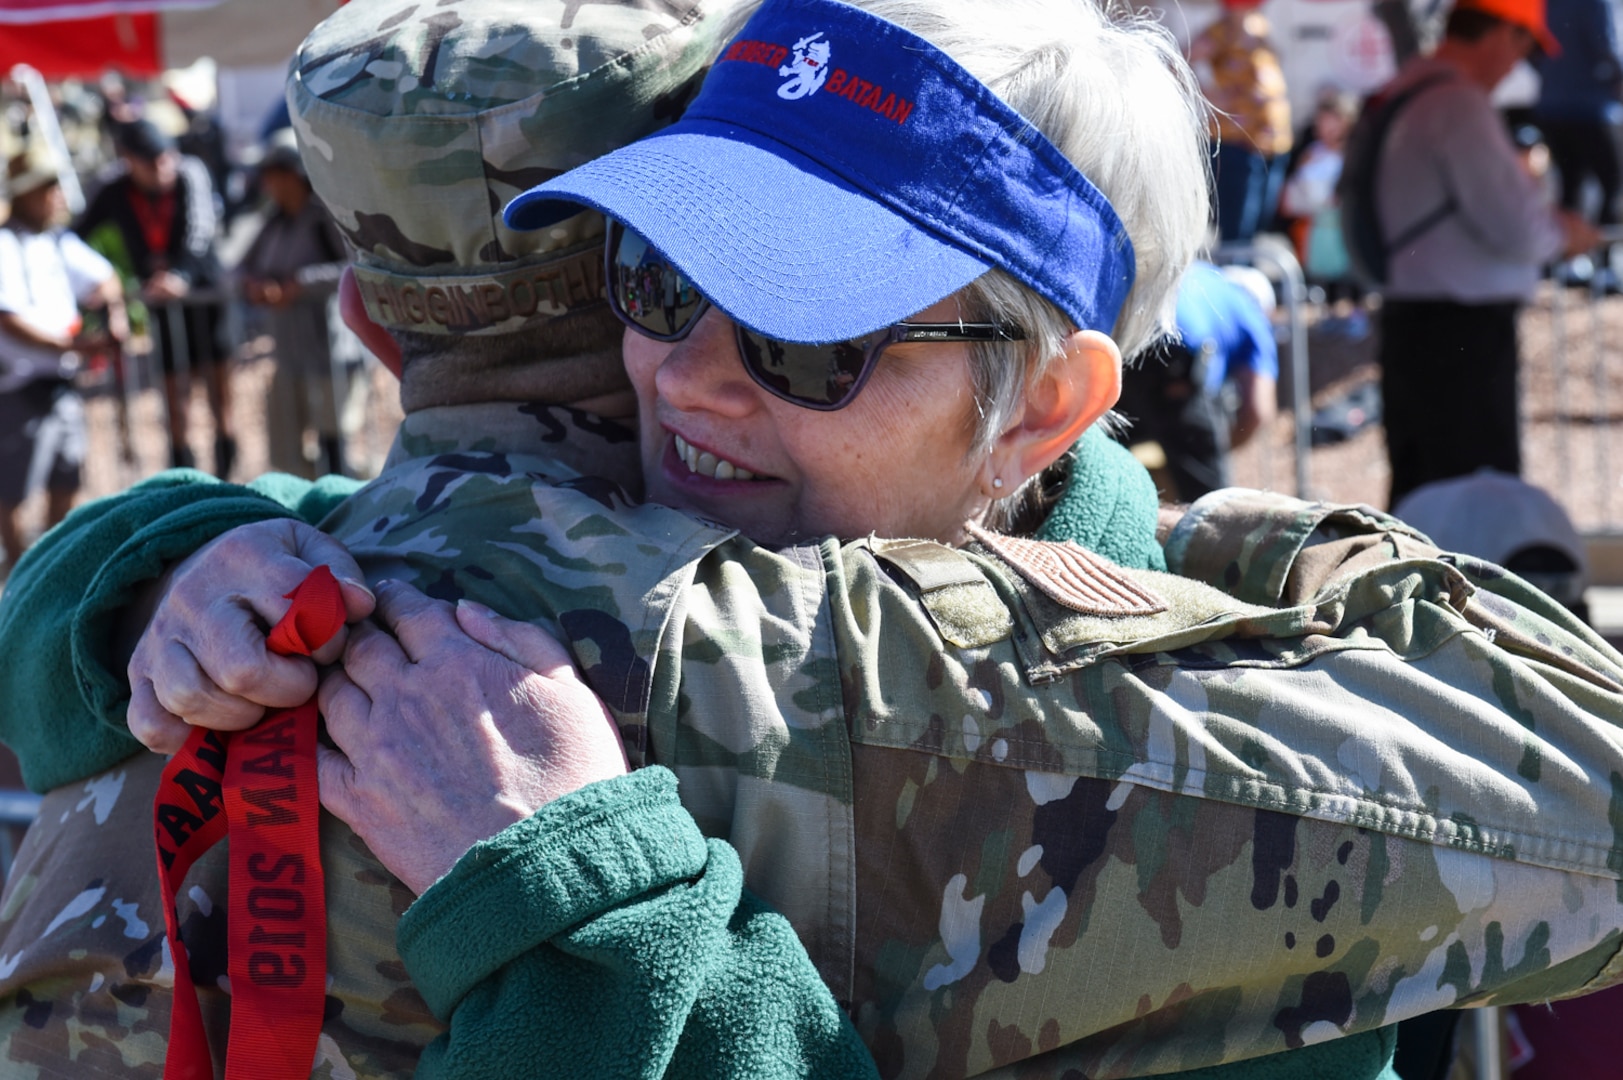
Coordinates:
column 1525, row 15
column 1468, row 229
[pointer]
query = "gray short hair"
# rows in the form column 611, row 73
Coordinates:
column 1110, row 88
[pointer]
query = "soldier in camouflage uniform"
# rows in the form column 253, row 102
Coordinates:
column 1190, row 827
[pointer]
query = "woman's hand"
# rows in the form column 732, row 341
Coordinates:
column 201, row 660
column 457, row 726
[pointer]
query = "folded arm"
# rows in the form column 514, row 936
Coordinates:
column 64, row 619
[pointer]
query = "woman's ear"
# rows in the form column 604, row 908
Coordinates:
column 1078, row 388
column 376, row 338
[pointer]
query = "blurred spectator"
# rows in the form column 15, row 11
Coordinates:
column 117, row 109
column 1310, row 196
column 205, row 140
column 1241, row 76
column 290, row 272
column 46, row 273
column 1208, row 390
column 1448, row 323
column 161, row 210
column 1578, row 105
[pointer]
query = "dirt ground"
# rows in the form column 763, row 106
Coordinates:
column 1572, row 414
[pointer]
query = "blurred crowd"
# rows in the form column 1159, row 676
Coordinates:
column 210, row 246
column 178, row 253
column 1423, row 216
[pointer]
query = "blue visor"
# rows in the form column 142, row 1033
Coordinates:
column 837, row 174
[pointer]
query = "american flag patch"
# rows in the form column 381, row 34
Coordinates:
column 1072, row 575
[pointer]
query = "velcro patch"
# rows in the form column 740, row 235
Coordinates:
column 1071, row 575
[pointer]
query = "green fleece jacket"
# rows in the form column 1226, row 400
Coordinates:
column 628, row 946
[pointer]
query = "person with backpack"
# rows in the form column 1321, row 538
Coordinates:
column 1457, row 230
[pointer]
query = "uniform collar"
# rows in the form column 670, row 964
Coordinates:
column 577, row 443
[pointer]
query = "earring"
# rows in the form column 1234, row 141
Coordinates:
column 997, row 481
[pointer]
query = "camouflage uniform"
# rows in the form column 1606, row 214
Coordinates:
column 464, row 104
column 1182, row 828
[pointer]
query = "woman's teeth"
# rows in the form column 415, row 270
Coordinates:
column 705, row 463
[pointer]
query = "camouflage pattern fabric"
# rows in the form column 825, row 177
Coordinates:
column 419, row 121
column 1066, row 845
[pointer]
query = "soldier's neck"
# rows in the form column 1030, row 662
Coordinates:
column 601, row 390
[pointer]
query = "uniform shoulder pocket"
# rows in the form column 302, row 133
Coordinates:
column 953, row 590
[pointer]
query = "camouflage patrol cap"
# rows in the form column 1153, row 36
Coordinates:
column 419, row 119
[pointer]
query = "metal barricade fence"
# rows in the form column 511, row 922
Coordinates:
column 1273, row 256
column 134, row 383
column 1570, row 350
column 133, row 372
column 1582, row 476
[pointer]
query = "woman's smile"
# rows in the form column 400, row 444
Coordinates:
column 717, row 444
column 705, row 464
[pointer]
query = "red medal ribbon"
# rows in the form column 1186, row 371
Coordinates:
column 264, row 781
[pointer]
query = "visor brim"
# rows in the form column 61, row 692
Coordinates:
column 775, row 240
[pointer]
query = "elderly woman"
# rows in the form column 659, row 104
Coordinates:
column 897, row 299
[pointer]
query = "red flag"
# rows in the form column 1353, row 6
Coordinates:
column 83, row 47
column 39, row 11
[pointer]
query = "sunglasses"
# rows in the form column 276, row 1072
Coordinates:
column 653, row 297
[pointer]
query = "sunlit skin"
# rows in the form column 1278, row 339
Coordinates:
column 1330, row 128
column 1487, row 60
column 894, row 462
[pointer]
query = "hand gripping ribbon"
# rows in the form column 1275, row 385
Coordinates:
column 259, row 788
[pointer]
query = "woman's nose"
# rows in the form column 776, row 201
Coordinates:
column 704, row 373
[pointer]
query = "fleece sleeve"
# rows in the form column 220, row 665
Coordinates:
column 606, row 937
column 63, row 691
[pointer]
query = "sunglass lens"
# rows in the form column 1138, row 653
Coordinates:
column 821, row 376
column 646, row 289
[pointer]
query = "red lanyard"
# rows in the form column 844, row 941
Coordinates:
column 156, row 219
column 264, row 781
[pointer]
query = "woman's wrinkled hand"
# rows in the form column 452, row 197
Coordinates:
column 201, row 659
column 450, row 725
